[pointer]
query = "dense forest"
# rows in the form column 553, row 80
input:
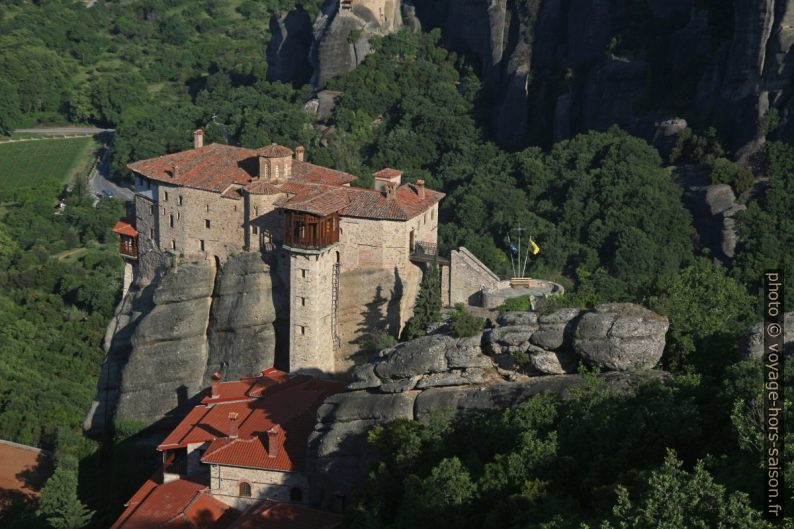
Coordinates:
column 603, row 205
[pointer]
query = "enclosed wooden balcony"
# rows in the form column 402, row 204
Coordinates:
column 310, row 232
column 128, row 238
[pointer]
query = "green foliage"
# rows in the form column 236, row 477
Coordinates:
column 695, row 149
column 517, row 304
column 379, row 339
column 463, row 323
column 677, row 498
column 708, row 311
column 724, row 171
column 427, row 308
column 766, row 230
column 59, row 502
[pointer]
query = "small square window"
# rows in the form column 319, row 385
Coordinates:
column 303, row 272
column 254, row 230
column 165, row 196
column 173, row 245
column 206, row 223
column 201, row 244
column 180, row 200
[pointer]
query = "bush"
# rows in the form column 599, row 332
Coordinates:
column 464, row 324
column 518, row 304
column 379, row 340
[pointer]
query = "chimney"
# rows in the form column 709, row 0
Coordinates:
column 272, row 442
column 299, row 150
column 385, row 177
column 391, row 190
column 198, row 139
column 216, row 383
column 420, row 189
column 175, row 171
column 233, row 427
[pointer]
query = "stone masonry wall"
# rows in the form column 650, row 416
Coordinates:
column 311, row 331
column 468, row 275
column 265, row 484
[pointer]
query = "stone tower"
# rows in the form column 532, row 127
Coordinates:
column 314, row 294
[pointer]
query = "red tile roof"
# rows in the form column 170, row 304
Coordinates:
column 124, row 227
column 215, row 167
column 388, row 172
column 274, row 515
column 272, row 400
column 365, row 203
column 274, row 150
column 182, row 503
column 310, row 188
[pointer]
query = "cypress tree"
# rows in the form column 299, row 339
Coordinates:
column 427, row 308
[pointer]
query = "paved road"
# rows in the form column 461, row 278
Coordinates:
column 63, row 130
column 100, row 183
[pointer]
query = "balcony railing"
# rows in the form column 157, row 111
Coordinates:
column 428, row 252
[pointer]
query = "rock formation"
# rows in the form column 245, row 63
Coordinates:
column 288, row 49
column 714, row 209
column 435, row 373
column 752, row 344
column 341, row 35
column 169, row 336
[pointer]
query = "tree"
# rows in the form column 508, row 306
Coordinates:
column 677, row 498
column 59, row 502
column 9, row 107
column 463, row 323
column 427, row 308
column 708, row 311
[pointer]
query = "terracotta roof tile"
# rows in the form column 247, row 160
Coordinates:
column 125, row 227
column 274, row 150
column 274, row 400
column 388, row 172
column 180, row 503
column 275, row 515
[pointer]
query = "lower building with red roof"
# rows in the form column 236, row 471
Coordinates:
column 238, row 458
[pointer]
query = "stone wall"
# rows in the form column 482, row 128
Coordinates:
column 467, row 277
column 265, row 484
column 312, row 329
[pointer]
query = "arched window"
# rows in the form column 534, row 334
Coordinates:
column 296, row 494
column 245, row 490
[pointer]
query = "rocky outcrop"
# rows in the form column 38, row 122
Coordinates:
column 713, row 208
column 612, row 337
column 341, row 36
column 170, row 335
column 339, row 457
column 241, row 329
column 288, row 48
column 752, row 344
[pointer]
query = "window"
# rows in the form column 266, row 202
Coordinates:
column 207, row 208
column 180, row 200
column 151, row 233
column 303, row 272
column 206, row 223
column 300, row 329
column 173, row 245
column 153, row 212
column 244, row 490
column 201, row 244
column 296, row 494
column 301, row 301
column 171, row 220
column 254, row 230
column 235, row 207
column 178, row 215
column 277, row 172
column 256, row 210
column 165, row 196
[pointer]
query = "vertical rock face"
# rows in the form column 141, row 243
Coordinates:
column 573, row 65
column 341, row 36
column 288, row 49
column 169, row 336
column 169, row 346
column 241, row 333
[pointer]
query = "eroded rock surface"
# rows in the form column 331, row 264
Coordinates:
column 752, row 344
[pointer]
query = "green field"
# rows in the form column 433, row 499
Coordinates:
column 40, row 168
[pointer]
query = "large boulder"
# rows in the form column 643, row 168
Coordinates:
column 620, row 337
column 752, row 344
column 556, row 329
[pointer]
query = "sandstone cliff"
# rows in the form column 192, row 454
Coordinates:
column 169, row 336
column 439, row 372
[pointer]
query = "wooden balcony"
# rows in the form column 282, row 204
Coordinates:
column 128, row 238
column 310, row 232
column 428, row 252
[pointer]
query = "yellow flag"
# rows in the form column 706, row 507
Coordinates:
column 535, row 247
